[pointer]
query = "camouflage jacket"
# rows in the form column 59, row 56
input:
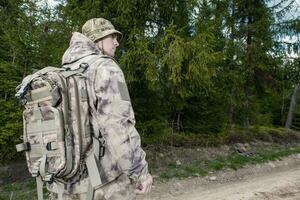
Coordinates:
column 115, row 116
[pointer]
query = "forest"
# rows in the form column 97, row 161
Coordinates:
column 199, row 72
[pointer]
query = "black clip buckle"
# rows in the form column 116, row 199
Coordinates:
column 48, row 146
column 49, row 178
column 28, row 146
column 101, row 151
column 84, row 65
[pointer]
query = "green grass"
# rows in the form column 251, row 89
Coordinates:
column 25, row 190
column 19, row 190
column 202, row 168
column 183, row 171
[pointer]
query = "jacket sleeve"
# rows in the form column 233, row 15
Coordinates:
column 118, row 122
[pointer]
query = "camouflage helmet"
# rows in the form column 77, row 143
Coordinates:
column 98, row 28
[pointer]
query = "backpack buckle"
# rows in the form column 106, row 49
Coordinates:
column 49, row 178
column 101, row 151
column 23, row 147
column 102, row 147
column 51, row 146
column 35, row 172
column 84, row 65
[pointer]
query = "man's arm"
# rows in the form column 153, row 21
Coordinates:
column 117, row 117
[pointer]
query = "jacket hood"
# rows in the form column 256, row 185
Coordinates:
column 80, row 47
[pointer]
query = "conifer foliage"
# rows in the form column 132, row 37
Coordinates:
column 196, row 66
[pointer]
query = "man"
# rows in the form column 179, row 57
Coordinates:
column 124, row 165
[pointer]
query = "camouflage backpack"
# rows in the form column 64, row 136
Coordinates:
column 57, row 130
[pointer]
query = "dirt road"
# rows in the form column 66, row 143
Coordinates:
column 277, row 180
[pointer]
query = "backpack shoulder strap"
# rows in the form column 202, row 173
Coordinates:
column 81, row 65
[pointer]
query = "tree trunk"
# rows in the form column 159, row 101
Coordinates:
column 292, row 108
column 248, row 62
column 232, row 38
column 246, row 106
column 101, row 8
column 230, row 112
column 178, row 121
column 230, row 116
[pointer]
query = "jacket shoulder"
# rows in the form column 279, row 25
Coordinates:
column 108, row 64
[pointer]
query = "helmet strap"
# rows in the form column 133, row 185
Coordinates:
column 100, row 47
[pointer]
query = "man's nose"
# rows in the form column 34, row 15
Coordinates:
column 116, row 42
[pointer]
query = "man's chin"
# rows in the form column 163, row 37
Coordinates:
column 112, row 54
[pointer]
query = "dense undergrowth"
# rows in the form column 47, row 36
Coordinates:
column 236, row 135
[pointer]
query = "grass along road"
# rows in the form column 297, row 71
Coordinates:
column 181, row 171
column 276, row 180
